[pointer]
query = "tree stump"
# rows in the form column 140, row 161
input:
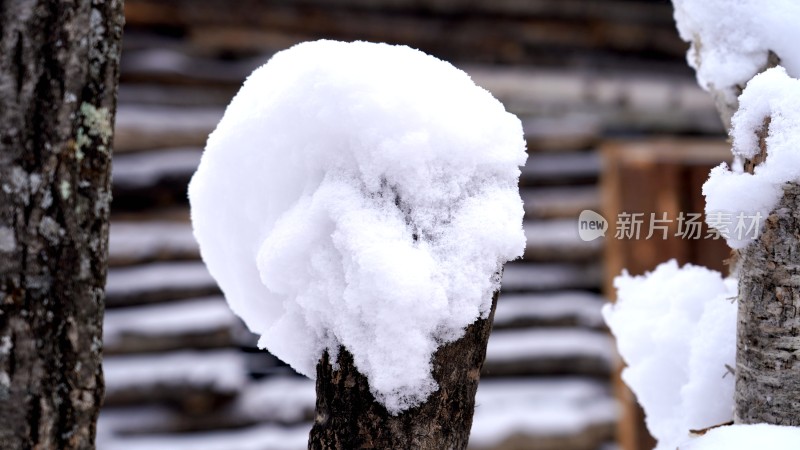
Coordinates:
column 348, row 417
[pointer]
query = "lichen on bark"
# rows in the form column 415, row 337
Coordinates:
column 54, row 216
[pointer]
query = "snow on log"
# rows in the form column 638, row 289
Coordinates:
column 361, row 195
column 749, row 198
column 731, row 43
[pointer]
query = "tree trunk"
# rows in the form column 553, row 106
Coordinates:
column 768, row 331
column 58, row 74
column 348, row 417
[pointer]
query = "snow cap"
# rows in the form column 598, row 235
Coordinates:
column 772, row 95
column 676, row 331
column 360, row 195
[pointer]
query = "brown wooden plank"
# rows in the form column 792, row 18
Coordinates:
column 154, row 12
column 473, row 33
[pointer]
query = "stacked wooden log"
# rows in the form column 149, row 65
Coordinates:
column 603, row 32
column 183, row 373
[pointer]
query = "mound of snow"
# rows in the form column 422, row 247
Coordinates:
column 775, row 95
column 676, row 331
column 360, row 195
column 731, row 40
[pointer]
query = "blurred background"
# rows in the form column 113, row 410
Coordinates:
column 614, row 123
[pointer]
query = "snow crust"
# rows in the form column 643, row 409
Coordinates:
column 747, row 437
column 772, row 94
column 731, row 40
column 676, row 331
column 360, row 195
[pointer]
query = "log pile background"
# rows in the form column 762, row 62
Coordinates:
column 184, row 373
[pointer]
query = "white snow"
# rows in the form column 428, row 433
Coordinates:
column 730, row 44
column 746, row 437
column 771, row 94
column 676, row 331
column 361, row 195
column 730, row 40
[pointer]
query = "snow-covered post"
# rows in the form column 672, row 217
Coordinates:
column 768, row 346
column 676, row 327
column 356, row 204
column 731, row 44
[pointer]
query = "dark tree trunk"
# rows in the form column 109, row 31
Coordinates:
column 58, row 74
column 348, row 417
column 768, row 329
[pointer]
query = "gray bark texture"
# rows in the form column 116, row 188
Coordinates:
column 349, row 418
column 768, row 329
column 58, row 75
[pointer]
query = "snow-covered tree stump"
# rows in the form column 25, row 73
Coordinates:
column 356, row 204
column 768, row 325
column 763, row 184
column 348, row 416
column 754, row 202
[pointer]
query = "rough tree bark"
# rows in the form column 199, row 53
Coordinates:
column 348, row 417
column 58, row 75
column 768, row 328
